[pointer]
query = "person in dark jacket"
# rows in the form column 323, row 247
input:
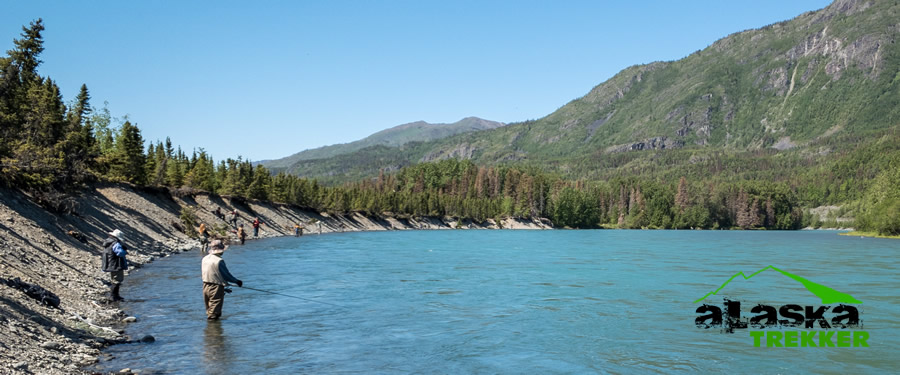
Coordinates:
column 215, row 278
column 114, row 262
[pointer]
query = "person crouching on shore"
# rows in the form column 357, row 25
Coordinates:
column 215, row 278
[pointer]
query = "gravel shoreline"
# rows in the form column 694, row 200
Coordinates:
column 61, row 254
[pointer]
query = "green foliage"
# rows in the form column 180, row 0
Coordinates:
column 202, row 173
column 127, row 161
column 28, row 49
column 880, row 206
column 44, row 148
column 883, row 218
column 259, row 186
column 189, row 219
column 723, row 109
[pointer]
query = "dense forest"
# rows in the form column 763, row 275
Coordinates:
column 52, row 150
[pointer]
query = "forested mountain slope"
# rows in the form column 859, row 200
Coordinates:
column 395, row 136
column 793, row 95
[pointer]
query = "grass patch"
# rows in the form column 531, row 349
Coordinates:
column 868, row 234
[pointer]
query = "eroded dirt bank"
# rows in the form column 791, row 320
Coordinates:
column 61, row 254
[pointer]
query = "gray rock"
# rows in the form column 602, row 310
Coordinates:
column 87, row 360
column 129, row 319
column 51, row 345
column 148, row 339
column 20, row 366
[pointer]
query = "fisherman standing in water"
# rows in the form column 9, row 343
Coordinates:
column 215, row 278
column 204, row 238
column 241, row 234
column 256, row 224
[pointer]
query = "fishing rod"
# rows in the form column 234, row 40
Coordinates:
column 287, row 295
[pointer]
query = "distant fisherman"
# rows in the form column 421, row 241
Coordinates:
column 114, row 262
column 256, row 224
column 215, row 278
column 241, row 233
column 233, row 218
column 204, row 238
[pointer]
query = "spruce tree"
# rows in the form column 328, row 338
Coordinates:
column 150, row 166
column 26, row 51
column 258, row 188
column 80, row 109
column 175, row 169
column 129, row 162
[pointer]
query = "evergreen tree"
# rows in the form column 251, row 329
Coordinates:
column 150, row 167
column 80, row 110
column 202, row 173
column 682, row 200
column 258, row 188
column 128, row 161
column 26, row 51
column 175, row 168
column 158, row 175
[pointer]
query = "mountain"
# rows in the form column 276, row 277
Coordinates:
column 396, row 136
column 768, row 102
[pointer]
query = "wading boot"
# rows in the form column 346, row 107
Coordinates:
column 114, row 294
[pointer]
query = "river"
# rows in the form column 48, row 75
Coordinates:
column 504, row 301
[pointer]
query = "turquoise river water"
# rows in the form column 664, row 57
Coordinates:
column 502, row 301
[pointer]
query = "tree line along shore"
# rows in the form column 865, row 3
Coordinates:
column 52, row 151
column 70, row 173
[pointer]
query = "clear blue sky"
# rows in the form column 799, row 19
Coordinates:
column 267, row 79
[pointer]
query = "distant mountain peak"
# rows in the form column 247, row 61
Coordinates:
column 799, row 87
column 417, row 131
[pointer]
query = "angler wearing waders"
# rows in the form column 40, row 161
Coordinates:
column 241, row 234
column 215, row 278
column 114, row 262
column 256, row 224
column 204, row 238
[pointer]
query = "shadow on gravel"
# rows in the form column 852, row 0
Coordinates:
column 17, row 308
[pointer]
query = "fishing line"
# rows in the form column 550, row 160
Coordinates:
column 290, row 296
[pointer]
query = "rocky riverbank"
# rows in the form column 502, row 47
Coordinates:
column 61, row 254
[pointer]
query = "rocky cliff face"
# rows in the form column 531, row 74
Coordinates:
column 782, row 86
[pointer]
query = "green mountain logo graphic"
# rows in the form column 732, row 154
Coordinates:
column 825, row 293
